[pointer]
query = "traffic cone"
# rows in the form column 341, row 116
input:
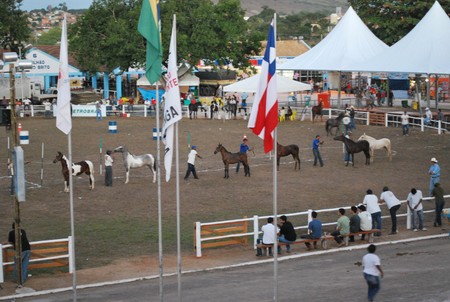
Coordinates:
column 19, row 127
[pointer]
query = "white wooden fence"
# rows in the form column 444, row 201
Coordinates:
column 255, row 231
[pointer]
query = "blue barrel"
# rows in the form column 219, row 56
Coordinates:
column 112, row 127
column 156, row 134
column 24, row 138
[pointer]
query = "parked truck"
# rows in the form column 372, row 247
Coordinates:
column 25, row 88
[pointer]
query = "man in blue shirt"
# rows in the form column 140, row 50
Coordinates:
column 314, row 230
column 315, row 148
column 243, row 149
column 435, row 174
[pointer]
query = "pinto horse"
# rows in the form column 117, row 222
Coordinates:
column 132, row 161
column 334, row 123
column 193, row 109
column 286, row 151
column 232, row 158
column 316, row 111
column 376, row 144
column 78, row 168
column 355, row 147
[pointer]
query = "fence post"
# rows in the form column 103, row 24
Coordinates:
column 309, row 216
column 386, row 120
column 368, row 118
column 32, row 110
column 1, row 263
column 71, row 255
column 408, row 217
column 439, row 127
column 255, row 230
column 198, row 238
column 422, row 128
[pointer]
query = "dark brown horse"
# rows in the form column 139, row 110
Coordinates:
column 355, row 147
column 81, row 167
column 233, row 158
column 288, row 150
column 334, row 123
column 316, row 111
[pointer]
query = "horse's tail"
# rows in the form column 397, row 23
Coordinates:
column 326, row 126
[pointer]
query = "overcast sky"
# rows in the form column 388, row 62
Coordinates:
column 38, row 4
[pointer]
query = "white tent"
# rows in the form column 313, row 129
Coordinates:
column 349, row 42
column 185, row 80
column 251, row 85
column 425, row 49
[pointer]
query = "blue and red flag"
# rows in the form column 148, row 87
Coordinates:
column 264, row 115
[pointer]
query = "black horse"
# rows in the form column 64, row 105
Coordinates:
column 288, row 150
column 334, row 123
column 193, row 109
column 232, row 158
column 355, row 147
column 316, row 111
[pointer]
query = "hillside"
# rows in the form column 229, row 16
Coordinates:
column 253, row 7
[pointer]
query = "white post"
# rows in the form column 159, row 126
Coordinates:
column 422, row 128
column 309, row 216
column 439, row 127
column 32, row 110
column 71, row 256
column 386, row 120
column 255, row 230
column 329, row 113
column 368, row 118
column 1, row 263
column 145, row 110
column 408, row 217
column 198, row 238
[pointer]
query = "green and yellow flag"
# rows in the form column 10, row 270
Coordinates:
column 148, row 27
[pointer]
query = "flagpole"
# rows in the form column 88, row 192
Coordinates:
column 158, row 173
column 177, row 170
column 275, row 191
column 72, row 218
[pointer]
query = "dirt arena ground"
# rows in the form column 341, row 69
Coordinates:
column 116, row 227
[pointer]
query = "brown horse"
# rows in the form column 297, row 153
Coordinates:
column 81, row 167
column 316, row 111
column 355, row 147
column 288, row 150
column 232, row 158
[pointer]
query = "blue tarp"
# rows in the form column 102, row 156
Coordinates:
column 149, row 94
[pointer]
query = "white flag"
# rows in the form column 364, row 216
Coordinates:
column 64, row 116
column 172, row 105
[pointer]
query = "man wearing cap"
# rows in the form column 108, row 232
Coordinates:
column 428, row 116
column 435, row 174
column 244, row 147
column 191, row 162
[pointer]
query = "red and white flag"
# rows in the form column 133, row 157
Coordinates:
column 172, row 105
column 64, row 114
column 264, row 115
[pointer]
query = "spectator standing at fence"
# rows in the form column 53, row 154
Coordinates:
column 243, row 148
column 191, row 162
column 108, row 168
column 269, row 235
column 393, row 204
column 342, row 227
column 26, row 252
column 98, row 111
column 315, row 148
column 355, row 223
column 435, row 174
column 405, row 123
column 428, row 116
column 372, row 271
column 414, row 201
column 371, row 202
column 314, row 230
column 365, row 220
column 287, row 233
column 438, row 194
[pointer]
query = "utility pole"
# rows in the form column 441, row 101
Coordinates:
column 15, row 142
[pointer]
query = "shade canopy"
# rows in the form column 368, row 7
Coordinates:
column 251, row 85
column 348, row 43
column 185, row 80
column 425, row 49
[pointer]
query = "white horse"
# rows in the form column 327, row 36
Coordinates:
column 377, row 144
column 131, row 161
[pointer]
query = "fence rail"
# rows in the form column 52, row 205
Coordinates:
column 44, row 254
column 243, row 231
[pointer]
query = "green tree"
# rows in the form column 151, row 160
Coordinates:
column 14, row 30
column 392, row 20
column 52, row 37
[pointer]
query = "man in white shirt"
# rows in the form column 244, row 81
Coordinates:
column 393, row 205
column 191, row 162
column 365, row 223
column 371, row 202
column 372, row 271
column 405, row 123
column 428, row 116
column 108, row 168
column 414, row 200
column 269, row 235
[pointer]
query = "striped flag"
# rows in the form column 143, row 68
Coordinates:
column 149, row 28
column 64, row 115
column 264, row 115
column 172, row 105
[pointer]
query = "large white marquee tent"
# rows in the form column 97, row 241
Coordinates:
column 251, row 85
